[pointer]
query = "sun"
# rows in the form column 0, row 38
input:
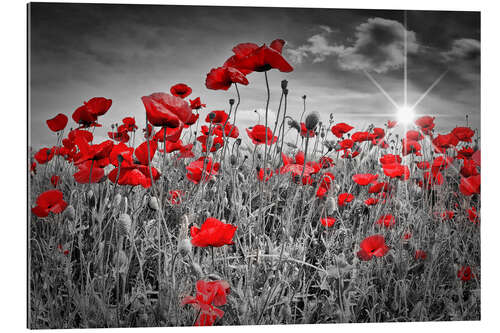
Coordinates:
column 405, row 114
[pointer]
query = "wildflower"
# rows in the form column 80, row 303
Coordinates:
column 197, row 172
column 372, row 246
column 463, row 134
column 473, row 216
column 54, row 180
column 166, row 110
column 181, row 90
column 426, row 124
column 344, row 198
column 57, row 123
column 328, row 221
column 386, row 220
column 209, row 295
column 420, row 255
column 258, row 135
column 340, row 129
column 212, row 233
column 49, row 202
column 364, row 179
column 87, row 114
column 263, row 58
column 221, row 78
column 465, row 273
column 391, row 123
column 470, row 185
column 44, row 155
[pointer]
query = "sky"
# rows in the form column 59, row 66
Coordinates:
column 124, row 52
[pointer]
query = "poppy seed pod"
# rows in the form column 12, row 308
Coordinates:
column 124, row 225
column 312, row 120
column 153, row 203
column 69, row 213
column 184, row 247
column 304, row 97
column 233, row 160
column 284, row 84
column 285, row 92
column 231, row 101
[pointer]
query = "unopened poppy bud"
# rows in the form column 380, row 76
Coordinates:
column 285, row 92
column 294, row 124
column 238, row 142
column 117, row 200
column 124, row 225
column 153, row 203
column 284, row 84
column 197, row 269
column 184, row 247
column 69, row 213
column 124, row 205
column 231, row 101
column 304, row 97
column 91, row 198
column 331, row 205
column 233, row 160
column 312, row 120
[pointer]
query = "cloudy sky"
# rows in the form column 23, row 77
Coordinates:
column 123, row 52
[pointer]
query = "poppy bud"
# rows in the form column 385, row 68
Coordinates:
column 124, row 225
column 121, row 260
column 331, row 205
column 231, row 101
column 153, row 203
column 197, row 269
column 243, row 308
column 117, row 200
column 184, row 247
column 238, row 141
column 294, row 124
column 284, row 84
column 285, row 92
column 304, row 97
column 91, row 198
column 69, row 213
column 124, row 205
column 312, row 120
column 233, row 160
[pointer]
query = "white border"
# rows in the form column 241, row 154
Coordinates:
column 13, row 176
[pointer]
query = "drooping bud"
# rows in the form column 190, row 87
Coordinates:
column 294, row 124
column 153, row 203
column 312, row 120
column 284, row 84
column 124, row 225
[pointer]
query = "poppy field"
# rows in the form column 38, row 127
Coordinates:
column 181, row 217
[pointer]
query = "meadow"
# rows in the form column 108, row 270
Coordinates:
column 181, row 218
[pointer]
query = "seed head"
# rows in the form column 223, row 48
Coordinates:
column 312, row 121
column 231, row 101
column 294, row 124
column 284, row 84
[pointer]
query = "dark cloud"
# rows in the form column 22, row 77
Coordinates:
column 467, row 49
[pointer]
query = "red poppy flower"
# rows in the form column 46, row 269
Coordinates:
column 411, row 147
column 447, row 215
column 120, row 136
column 173, row 146
column 463, row 134
column 431, row 179
column 465, row 273
column 87, row 114
column 170, row 134
column 44, row 155
column 82, row 176
column 305, row 133
column 54, row 180
column 181, row 90
column 473, row 216
column 465, row 153
column 175, row 196
column 166, row 110
column 441, row 163
column 426, row 124
column 443, row 142
column 135, row 175
column 470, row 185
column 395, row 170
column 373, row 246
column 391, row 123
column 196, row 103
column 371, row 201
column 476, row 157
column 412, row 135
column 212, row 233
column 33, row 167
column 197, row 172
column 57, row 123
column 326, row 162
column 345, row 144
column 469, row 169
column 297, row 169
column 390, row 159
column 221, row 78
column 148, row 131
column 378, row 187
column 217, row 117
column 420, row 255
column 99, row 153
column 424, row 165
column 216, row 144
column 49, row 202
column 344, row 198
column 328, row 221
column 186, row 151
column 364, row 179
column 386, row 220
column 268, row 173
column 129, row 123
column 192, row 120
column 377, row 134
column 407, row 235
column 341, row 129
column 265, row 58
column 258, row 135
column 208, row 295
column 361, row 136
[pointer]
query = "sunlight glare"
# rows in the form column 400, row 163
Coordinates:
column 405, row 114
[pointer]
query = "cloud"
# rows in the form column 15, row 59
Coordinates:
column 463, row 49
column 317, row 47
column 379, row 46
